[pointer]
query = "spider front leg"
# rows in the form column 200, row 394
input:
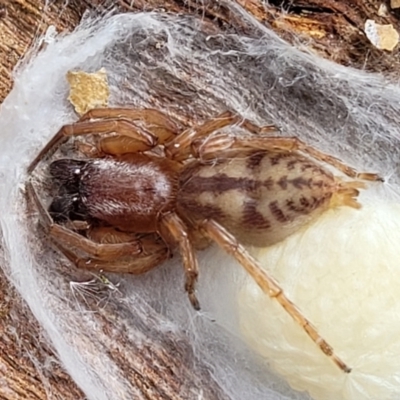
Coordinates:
column 143, row 140
column 61, row 234
column 180, row 147
column 227, row 146
column 268, row 285
column 130, row 136
column 155, row 121
column 173, row 230
column 153, row 253
column 152, row 121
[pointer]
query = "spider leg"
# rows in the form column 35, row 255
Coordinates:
column 153, row 255
column 224, row 145
column 172, row 229
column 269, row 286
column 61, row 234
column 155, row 121
column 179, row 148
column 142, row 139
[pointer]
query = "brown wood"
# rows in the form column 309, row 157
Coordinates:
column 333, row 28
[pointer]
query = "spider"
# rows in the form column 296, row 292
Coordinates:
column 143, row 189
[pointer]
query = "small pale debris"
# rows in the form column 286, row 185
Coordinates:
column 383, row 10
column 88, row 90
column 383, row 37
column 394, row 3
column 50, row 34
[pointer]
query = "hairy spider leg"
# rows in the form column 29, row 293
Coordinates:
column 180, row 147
column 143, row 139
column 61, row 234
column 173, row 229
column 227, row 145
column 152, row 255
column 268, row 285
column 156, row 121
column 154, row 250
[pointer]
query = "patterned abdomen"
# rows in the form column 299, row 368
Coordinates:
column 261, row 198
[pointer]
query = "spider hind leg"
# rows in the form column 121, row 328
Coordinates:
column 268, row 284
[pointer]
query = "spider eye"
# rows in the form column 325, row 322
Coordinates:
column 67, row 171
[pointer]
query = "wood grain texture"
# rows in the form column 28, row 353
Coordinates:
column 332, row 28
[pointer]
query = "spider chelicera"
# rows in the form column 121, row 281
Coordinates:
column 145, row 188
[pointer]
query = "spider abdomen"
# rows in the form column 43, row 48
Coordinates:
column 261, row 198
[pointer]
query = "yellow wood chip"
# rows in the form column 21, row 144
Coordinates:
column 88, row 90
column 394, row 3
column 383, row 37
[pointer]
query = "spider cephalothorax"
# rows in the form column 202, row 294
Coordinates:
column 150, row 189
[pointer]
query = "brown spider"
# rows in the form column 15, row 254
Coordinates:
column 143, row 190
